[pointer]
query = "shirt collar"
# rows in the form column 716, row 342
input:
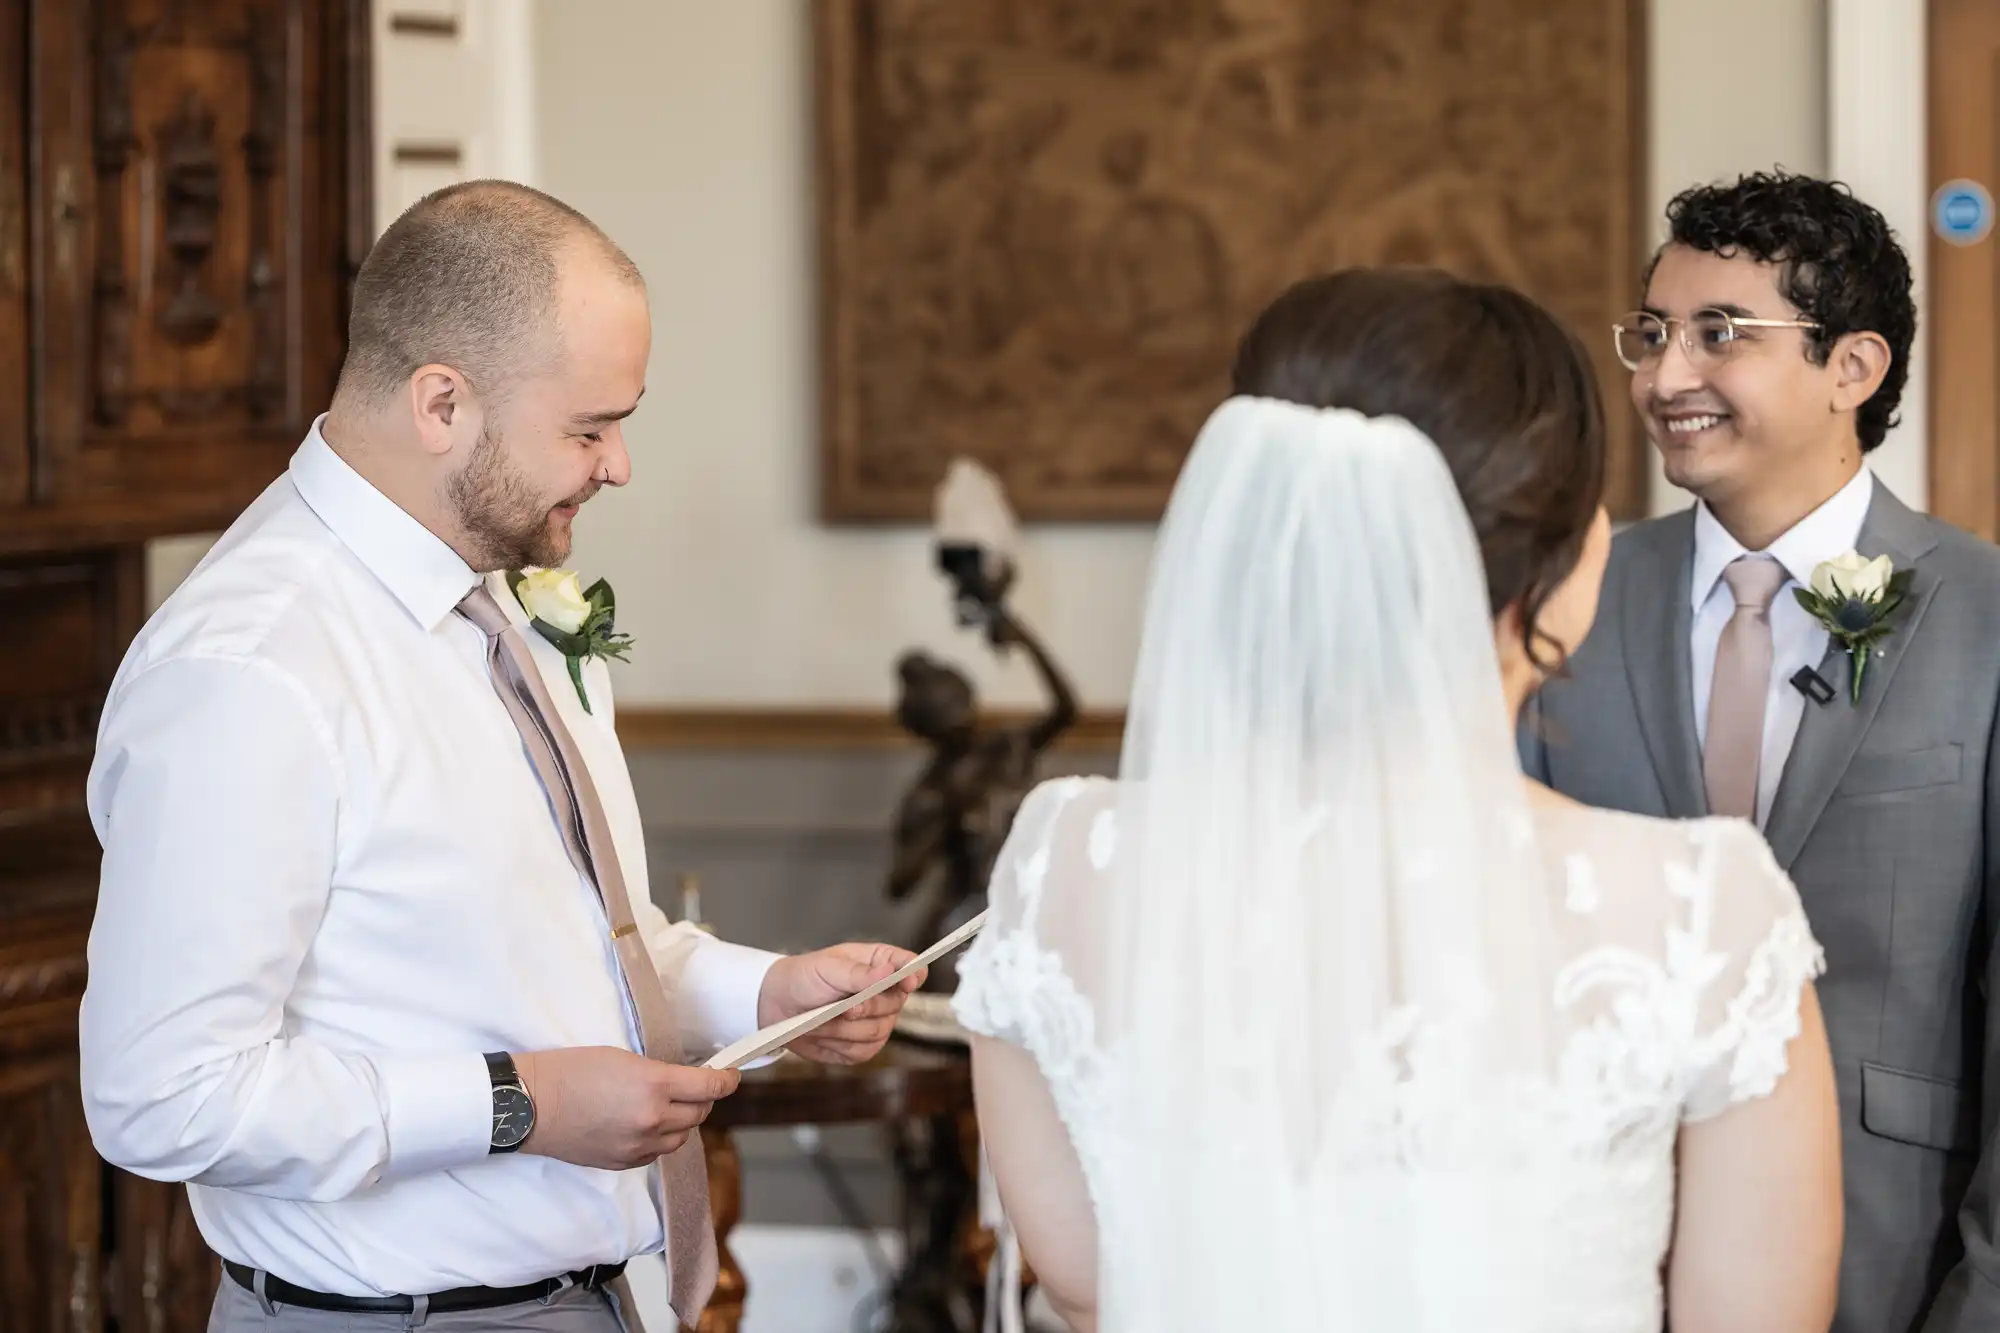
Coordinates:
column 1830, row 530
column 411, row 561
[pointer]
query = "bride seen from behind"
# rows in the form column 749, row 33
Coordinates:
column 1322, row 1016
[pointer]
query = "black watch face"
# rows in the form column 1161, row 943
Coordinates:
column 513, row 1117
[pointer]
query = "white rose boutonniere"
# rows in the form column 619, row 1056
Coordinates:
column 1853, row 598
column 555, row 596
column 579, row 621
column 1850, row 575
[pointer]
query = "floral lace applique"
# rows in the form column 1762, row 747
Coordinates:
column 1650, row 1035
column 1580, row 891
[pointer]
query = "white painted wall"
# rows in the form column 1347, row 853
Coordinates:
column 684, row 128
column 473, row 90
column 1876, row 111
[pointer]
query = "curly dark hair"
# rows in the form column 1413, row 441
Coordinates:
column 1839, row 264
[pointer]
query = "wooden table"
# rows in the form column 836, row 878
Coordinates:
column 924, row 1093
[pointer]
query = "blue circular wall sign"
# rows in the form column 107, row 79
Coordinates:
column 1962, row 212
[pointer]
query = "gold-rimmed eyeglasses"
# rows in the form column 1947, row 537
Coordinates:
column 1707, row 336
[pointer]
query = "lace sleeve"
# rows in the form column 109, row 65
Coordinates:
column 1761, row 955
column 1000, row 972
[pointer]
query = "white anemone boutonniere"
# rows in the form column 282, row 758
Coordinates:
column 1854, row 598
column 579, row 621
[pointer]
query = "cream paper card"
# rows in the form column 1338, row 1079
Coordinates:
column 776, row 1037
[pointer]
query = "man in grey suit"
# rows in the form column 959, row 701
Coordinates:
column 1769, row 358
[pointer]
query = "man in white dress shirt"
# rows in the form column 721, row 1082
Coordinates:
column 1769, row 359
column 374, row 959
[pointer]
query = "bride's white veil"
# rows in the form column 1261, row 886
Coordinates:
column 1327, row 880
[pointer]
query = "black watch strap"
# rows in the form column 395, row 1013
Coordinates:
column 513, row 1108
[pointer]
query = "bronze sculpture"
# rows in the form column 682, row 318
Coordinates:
column 956, row 816
column 948, row 833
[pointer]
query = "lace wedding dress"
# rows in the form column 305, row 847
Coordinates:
column 1543, row 1206
column 1346, row 1031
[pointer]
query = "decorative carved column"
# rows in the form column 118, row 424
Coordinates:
column 725, row 1200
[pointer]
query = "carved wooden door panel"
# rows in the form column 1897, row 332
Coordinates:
column 198, row 207
column 163, row 1278
column 79, row 610
column 50, row 1181
column 13, row 257
column 1963, row 291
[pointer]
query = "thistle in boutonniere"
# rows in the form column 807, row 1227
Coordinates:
column 1854, row 599
column 579, row 621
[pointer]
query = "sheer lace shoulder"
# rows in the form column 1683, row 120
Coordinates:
column 1016, row 982
column 1685, row 950
column 1681, row 955
column 1751, row 1011
column 1696, row 920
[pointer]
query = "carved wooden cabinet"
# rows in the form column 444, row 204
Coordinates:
column 183, row 203
column 51, row 1184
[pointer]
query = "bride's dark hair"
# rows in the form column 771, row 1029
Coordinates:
column 1503, row 389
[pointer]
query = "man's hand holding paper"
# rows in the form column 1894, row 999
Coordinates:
column 804, row 982
column 857, row 1019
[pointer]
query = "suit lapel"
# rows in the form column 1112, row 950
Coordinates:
column 1655, row 621
column 1830, row 733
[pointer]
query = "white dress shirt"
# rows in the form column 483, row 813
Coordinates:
column 1797, row 640
column 331, row 881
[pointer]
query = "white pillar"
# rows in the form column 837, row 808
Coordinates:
column 1877, row 143
column 454, row 96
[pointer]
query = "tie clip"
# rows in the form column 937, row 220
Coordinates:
column 620, row 932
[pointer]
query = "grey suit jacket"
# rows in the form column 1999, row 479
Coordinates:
column 1888, row 818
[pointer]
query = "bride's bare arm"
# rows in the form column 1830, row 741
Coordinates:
column 1040, row 1180
column 1757, row 1232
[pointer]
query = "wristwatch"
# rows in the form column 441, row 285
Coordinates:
column 513, row 1108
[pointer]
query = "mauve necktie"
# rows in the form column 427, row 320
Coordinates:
column 1742, row 683
column 587, row 836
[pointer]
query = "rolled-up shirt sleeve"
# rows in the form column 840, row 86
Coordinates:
column 217, row 794
column 715, row 985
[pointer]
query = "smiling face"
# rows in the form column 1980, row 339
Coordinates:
column 558, row 436
column 1755, row 415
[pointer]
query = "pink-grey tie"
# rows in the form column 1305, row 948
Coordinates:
column 586, row 836
column 1735, row 744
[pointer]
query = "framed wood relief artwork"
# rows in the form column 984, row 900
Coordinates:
column 1044, row 223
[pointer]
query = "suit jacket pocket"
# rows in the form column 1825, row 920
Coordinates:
column 1911, row 1108
column 1874, row 774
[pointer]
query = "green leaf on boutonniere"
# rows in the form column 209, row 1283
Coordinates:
column 1857, row 622
column 597, row 636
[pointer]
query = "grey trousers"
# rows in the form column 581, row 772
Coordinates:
column 573, row 1311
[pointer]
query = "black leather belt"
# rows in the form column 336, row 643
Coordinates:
column 280, row 1292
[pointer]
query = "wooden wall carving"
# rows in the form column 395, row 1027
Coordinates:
column 184, row 201
column 198, row 223
column 33, row 980
column 1044, row 224
column 79, row 611
column 51, row 1183
column 162, row 1279
column 48, row 1200
column 192, row 174
column 191, row 180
